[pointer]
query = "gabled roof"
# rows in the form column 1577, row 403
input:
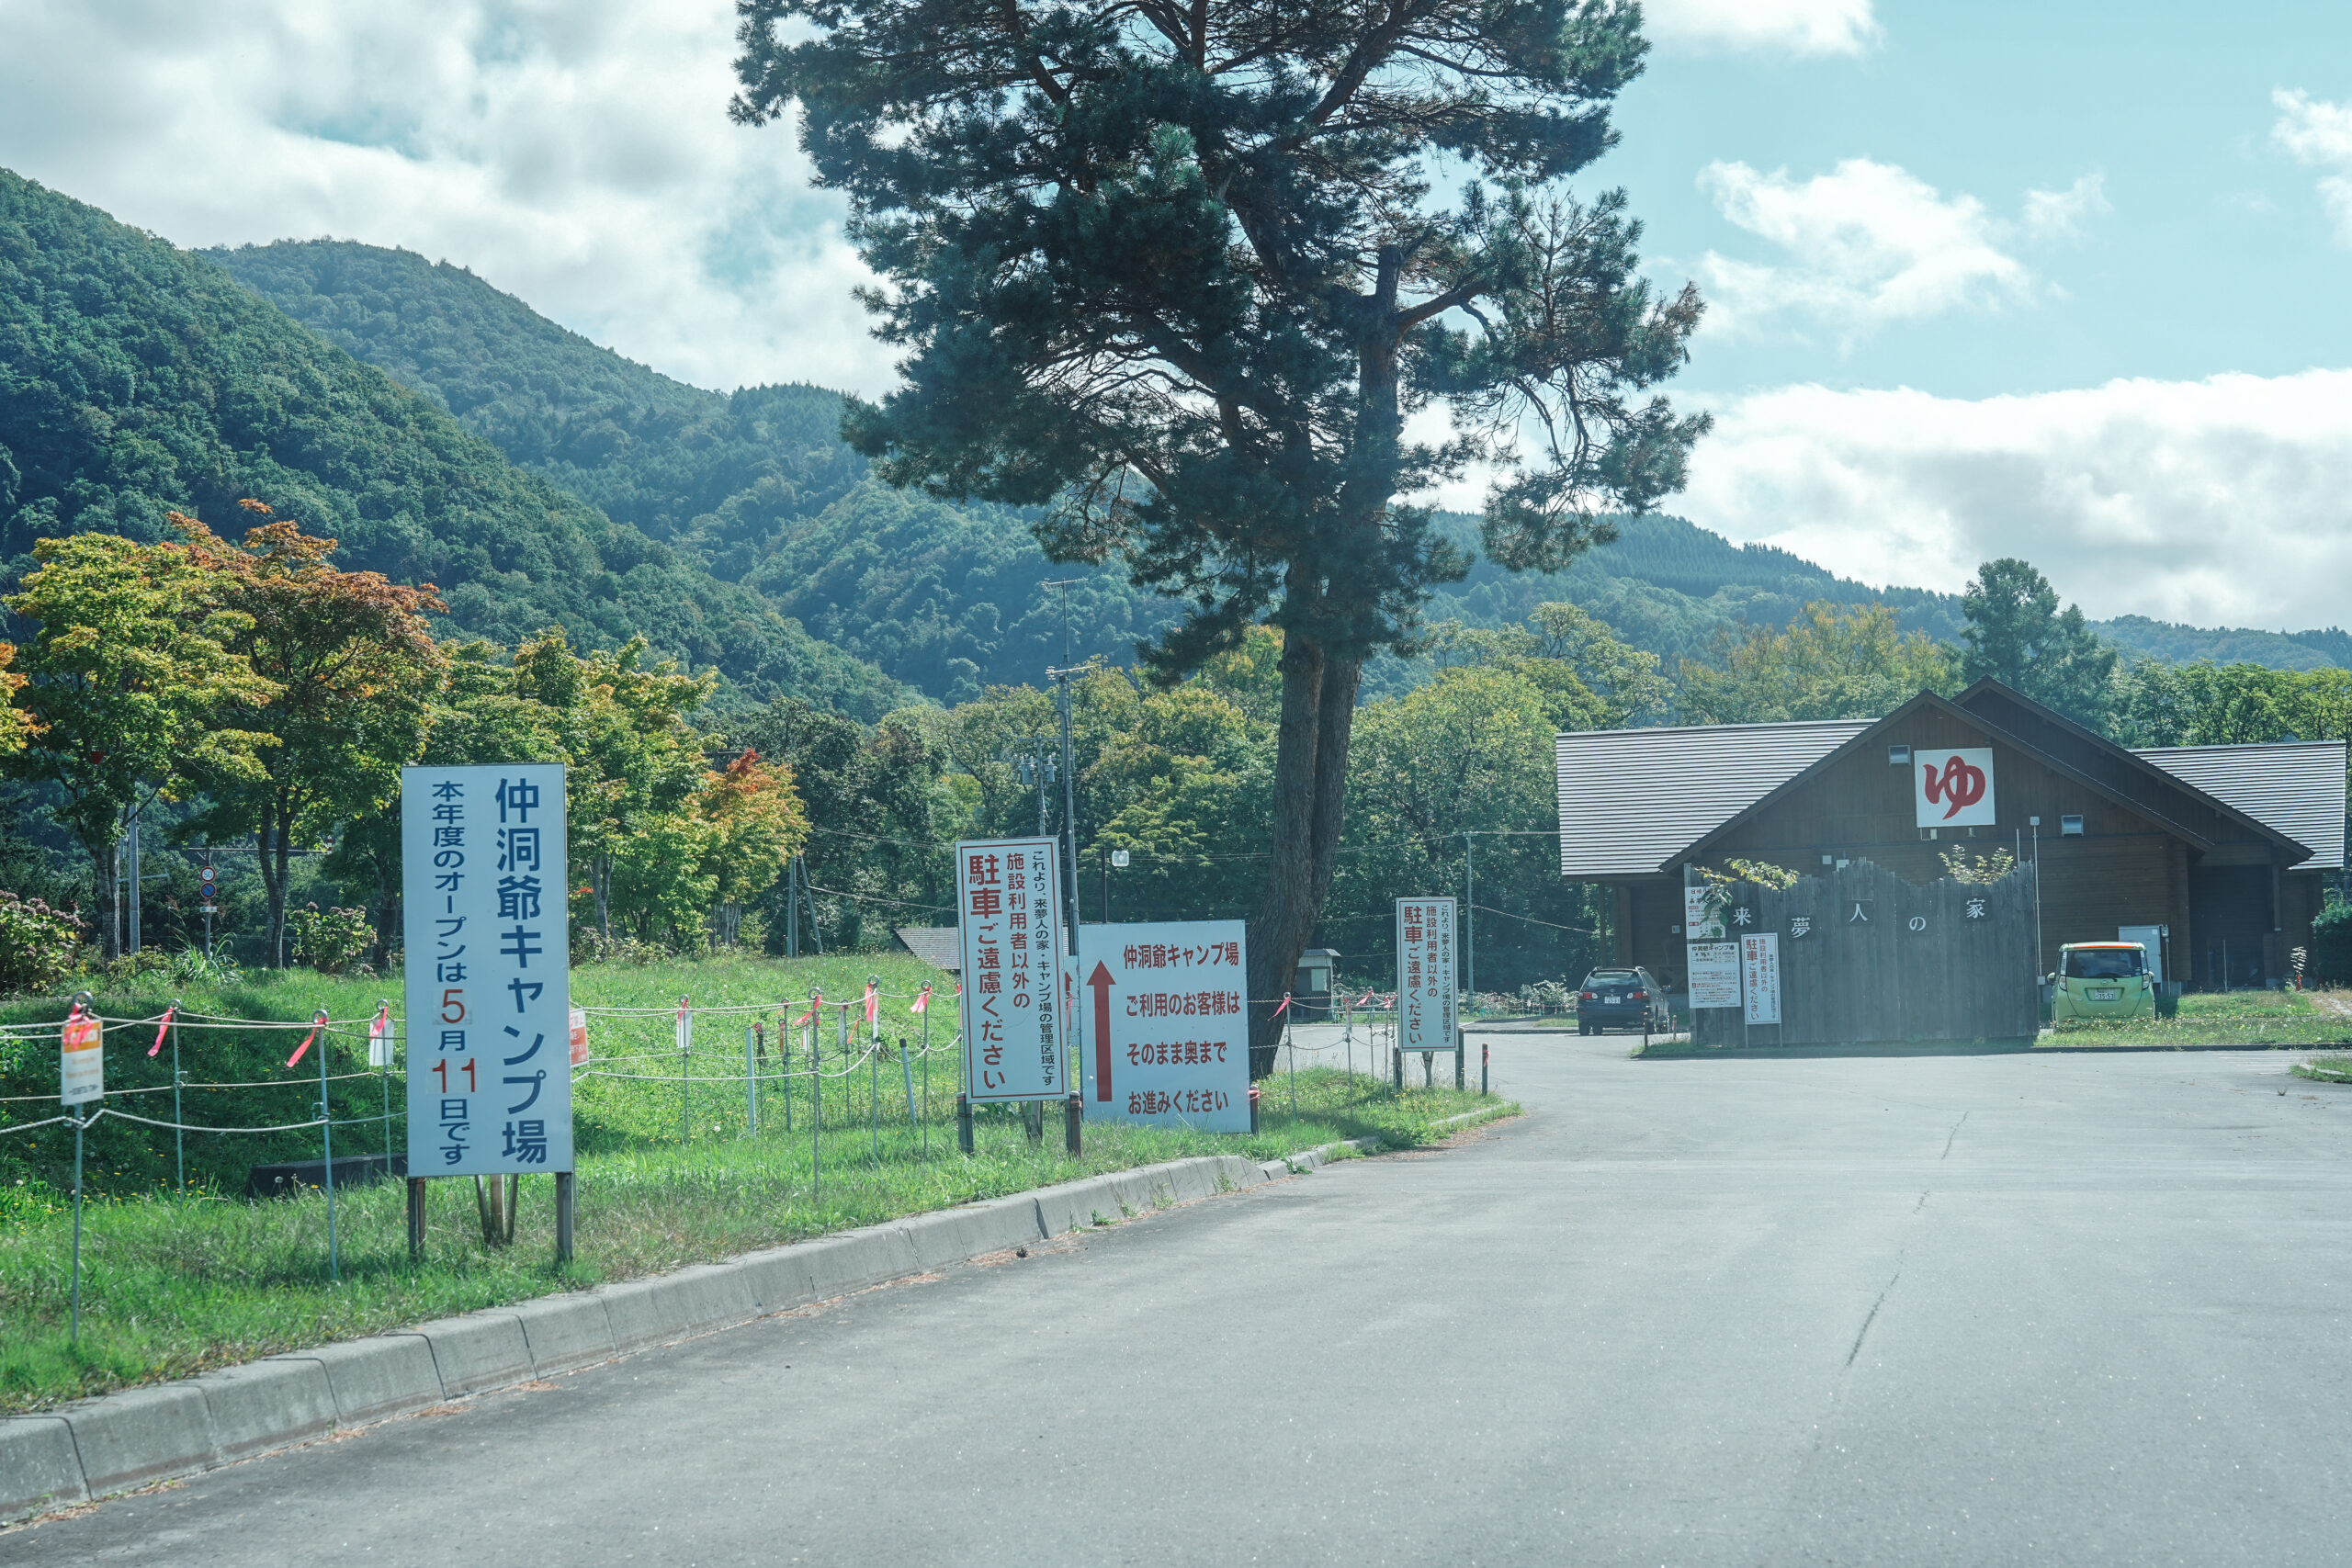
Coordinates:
column 935, row 945
column 1633, row 802
column 2295, row 788
column 1631, row 799
column 2156, row 781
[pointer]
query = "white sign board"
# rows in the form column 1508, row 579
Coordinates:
column 489, row 935
column 1426, row 985
column 1700, row 920
column 1954, row 788
column 81, row 1061
column 1167, row 1023
column 1759, row 975
column 1009, row 914
column 1715, row 973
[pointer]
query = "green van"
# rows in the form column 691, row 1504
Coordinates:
column 2102, row 979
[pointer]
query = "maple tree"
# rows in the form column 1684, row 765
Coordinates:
column 351, row 667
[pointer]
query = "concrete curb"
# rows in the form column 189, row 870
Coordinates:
column 141, row 1436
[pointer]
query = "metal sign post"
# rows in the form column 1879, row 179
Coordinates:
column 489, row 977
column 81, row 1078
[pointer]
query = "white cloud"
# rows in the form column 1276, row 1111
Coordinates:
column 2221, row 501
column 1790, row 26
column 2053, row 214
column 575, row 152
column 1869, row 244
column 2318, row 133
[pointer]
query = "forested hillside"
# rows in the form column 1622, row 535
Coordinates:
column 136, row 379
column 756, row 487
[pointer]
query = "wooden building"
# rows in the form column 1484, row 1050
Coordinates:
column 2214, row 855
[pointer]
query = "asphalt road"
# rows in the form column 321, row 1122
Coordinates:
column 1949, row 1310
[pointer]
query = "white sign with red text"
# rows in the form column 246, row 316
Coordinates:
column 1008, row 915
column 1760, row 974
column 1167, row 1018
column 1954, row 788
column 1425, row 974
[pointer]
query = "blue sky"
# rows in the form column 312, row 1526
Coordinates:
column 2211, row 249
column 2060, row 280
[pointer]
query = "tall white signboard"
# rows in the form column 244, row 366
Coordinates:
column 1168, row 1023
column 1426, row 985
column 1008, row 915
column 1760, row 974
column 489, row 970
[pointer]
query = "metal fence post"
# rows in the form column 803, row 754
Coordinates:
column 752, row 1075
column 1461, row 1044
column 566, row 1197
column 685, row 1055
column 326, row 1126
column 1485, row 1053
column 906, row 1067
column 179, row 1133
column 415, row 1219
column 963, row 1123
column 1073, row 1115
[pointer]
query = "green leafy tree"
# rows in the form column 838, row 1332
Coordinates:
column 634, row 760
column 2016, row 634
column 352, row 669
column 476, row 716
column 1588, row 677
column 881, row 819
column 1468, row 752
column 136, row 682
column 1177, row 275
column 1829, row 664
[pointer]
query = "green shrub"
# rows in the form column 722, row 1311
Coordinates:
column 2332, row 945
column 328, row 941
column 37, row 944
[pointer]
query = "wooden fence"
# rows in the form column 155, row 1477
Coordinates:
column 1866, row 956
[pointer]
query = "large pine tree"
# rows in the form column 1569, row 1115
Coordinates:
column 1177, row 271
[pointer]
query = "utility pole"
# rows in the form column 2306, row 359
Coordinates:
column 1469, row 913
column 1061, row 679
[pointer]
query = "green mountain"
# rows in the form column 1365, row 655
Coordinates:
column 136, row 379
column 755, row 487
column 2141, row 637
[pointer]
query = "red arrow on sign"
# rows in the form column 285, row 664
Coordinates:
column 1102, row 982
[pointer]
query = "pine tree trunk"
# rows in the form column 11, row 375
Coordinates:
column 1310, row 799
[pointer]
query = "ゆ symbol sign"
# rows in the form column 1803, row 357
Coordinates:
column 1961, row 784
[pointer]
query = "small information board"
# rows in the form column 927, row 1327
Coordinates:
column 1715, row 973
column 1008, row 918
column 1426, row 984
column 488, row 969
column 81, row 1061
column 1168, row 1023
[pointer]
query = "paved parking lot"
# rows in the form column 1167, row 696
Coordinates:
column 2052, row 1309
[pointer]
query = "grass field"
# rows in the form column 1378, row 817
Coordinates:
column 2228, row 1018
column 2326, row 1069
column 174, row 1282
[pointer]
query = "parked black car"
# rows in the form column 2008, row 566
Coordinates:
column 1622, row 998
